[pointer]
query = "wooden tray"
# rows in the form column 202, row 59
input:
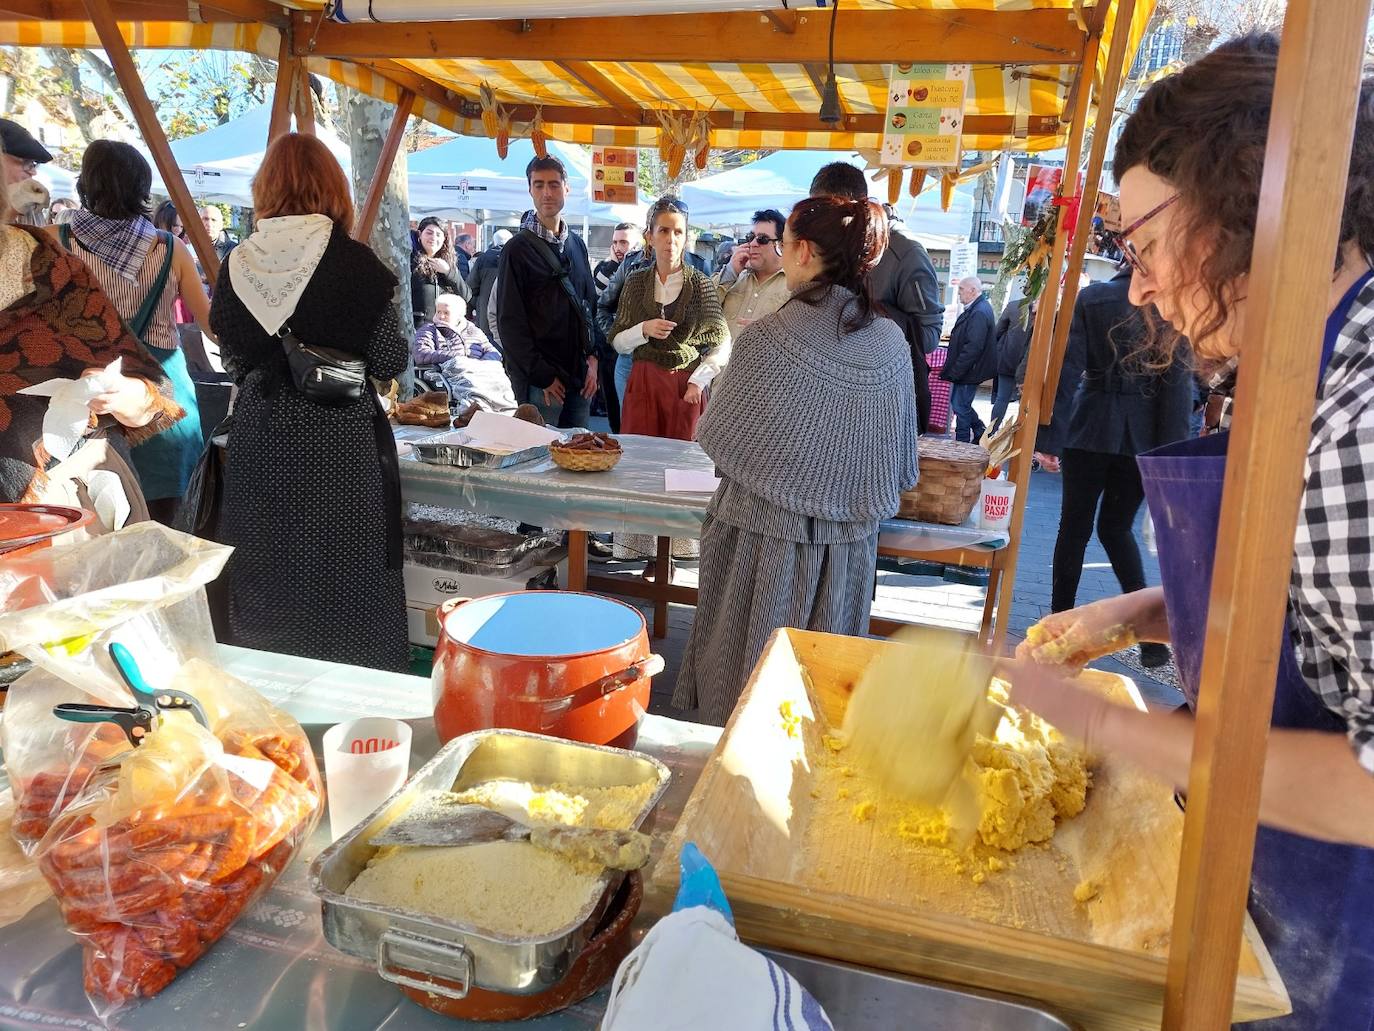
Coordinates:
column 803, row 874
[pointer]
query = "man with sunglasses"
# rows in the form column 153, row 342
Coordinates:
column 753, row 284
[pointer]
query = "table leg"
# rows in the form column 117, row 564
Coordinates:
column 990, row 604
column 662, row 581
column 577, row 560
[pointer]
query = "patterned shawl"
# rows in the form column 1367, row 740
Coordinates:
column 62, row 327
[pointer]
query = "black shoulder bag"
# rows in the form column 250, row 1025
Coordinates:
column 324, row 375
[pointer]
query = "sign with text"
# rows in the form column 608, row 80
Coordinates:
column 963, row 262
column 924, row 124
column 615, row 175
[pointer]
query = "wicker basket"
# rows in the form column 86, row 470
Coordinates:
column 579, row 461
column 951, row 480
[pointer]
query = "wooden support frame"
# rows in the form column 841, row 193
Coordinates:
column 587, row 74
column 303, row 102
column 362, row 229
column 1307, row 155
column 862, row 37
column 107, row 28
column 279, row 122
column 1106, row 112
column 1040, row 342
column 237, row 12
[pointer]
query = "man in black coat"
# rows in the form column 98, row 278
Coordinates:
column 1119, row 409
column 904, row 281
column 972, row 358
column 482, row 278
column 545, row 299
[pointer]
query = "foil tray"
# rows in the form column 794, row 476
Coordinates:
column 450, row 448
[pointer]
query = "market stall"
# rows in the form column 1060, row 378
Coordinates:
column 1311, row 122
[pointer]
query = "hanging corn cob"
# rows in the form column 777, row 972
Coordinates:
column 487, row 96
column 665, row 135
column 503, row 120
column 701, row 139
column 677, row 149
column 537, row 136
column 918, row 182
column 947, row 182
column 894, row 185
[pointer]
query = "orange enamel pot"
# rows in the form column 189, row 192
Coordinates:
column 560, row 663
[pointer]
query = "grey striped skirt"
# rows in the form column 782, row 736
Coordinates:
column 752, row 583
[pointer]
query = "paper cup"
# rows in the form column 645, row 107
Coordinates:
column 994, row 505
column 365, row 762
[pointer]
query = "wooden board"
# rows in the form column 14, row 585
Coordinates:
column 803, row 873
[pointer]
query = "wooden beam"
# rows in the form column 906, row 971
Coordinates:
column 362, row 229
column 246, row 10
column 107, row 28
column 287, row 67
column 1039, row 347
column 236, row 12
column 783, row 21
column 1297, row 228
column 304, row 103
column 600, row 86
column 1041, row 36
column 1102, row 129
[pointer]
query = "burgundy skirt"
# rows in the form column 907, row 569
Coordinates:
column 653, row 405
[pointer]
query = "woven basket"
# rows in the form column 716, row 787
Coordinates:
column 584, row 461
column 951, row 480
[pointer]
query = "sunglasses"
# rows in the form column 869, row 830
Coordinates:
column 1128, row 250
column 762, row 239
column 671, row 204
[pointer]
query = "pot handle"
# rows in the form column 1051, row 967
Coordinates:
column 443, row 954
column 449, row 604
column 649, row 666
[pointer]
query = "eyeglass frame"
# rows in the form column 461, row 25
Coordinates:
column 1128, row 250
column 27, row 164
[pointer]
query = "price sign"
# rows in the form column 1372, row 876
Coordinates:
column 615, row 175
column 924, row 124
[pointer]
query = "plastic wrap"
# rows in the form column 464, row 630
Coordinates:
column 153, row 850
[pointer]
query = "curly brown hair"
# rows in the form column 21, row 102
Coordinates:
column 1204, row 130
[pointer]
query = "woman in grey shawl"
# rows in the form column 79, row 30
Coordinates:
column 812, row 429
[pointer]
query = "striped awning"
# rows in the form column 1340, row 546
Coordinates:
column 769, row 104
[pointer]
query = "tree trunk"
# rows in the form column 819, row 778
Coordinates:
column 366, row 121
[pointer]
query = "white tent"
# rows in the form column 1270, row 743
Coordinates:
column 59, row 181
column 781, row 179
column 219, row 164
column 466, row 174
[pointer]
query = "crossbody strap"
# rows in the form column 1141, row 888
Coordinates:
column 561, row 274
column 144, row 316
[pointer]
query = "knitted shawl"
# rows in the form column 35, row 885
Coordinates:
column 65, row 325
column 700, row 323
column 813, row 418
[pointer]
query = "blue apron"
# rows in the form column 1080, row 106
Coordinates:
column 1313, row 902
column 165, row 461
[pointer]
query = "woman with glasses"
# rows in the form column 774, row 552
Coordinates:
column 669, row 320
column 1190, row 237
column 813, row 433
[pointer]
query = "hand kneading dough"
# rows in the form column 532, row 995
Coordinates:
column 917, row 711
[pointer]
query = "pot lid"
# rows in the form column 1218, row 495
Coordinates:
column 544, row 623
column 21, row 525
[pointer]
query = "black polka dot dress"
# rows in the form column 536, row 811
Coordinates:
column 307, row 506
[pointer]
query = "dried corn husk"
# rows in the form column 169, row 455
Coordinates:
column 894, row 185
column 701, row 139
column 503, row 120
column 947, row 183
column 487, row 96
column 665, row 134
column 918, row 182
column 537, row 137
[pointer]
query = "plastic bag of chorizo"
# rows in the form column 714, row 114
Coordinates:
column 153, row 850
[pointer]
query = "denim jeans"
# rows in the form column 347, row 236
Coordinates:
column 572, row 413
column 967, row 424
column 1002, row 395
column 623, row 364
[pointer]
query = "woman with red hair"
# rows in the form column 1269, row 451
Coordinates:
column 312, row 501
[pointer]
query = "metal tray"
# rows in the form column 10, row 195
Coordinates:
column 405, row 944
column 473, row 543
column 448, row 448
column 544, row 558
column 854, row 997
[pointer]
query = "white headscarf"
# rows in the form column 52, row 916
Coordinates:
column 272, row 267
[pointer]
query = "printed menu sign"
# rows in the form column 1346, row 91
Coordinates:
column 615, row 175
column 924, row 124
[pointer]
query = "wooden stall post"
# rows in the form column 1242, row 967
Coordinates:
column 362, row 230
column 304, row 102
column 103, row 20
column 1307, row 156
column 280, row 122
column 1106, row 108
column 1040, row 341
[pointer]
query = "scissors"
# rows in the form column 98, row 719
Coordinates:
column 138, row 721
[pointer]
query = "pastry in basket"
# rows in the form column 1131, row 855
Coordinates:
column 429, row 409
column 587, row 442
column 586, row 452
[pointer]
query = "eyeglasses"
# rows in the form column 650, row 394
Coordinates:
column 27, row 164
column 670, row 204
column 762, row 239
column 1128, row 250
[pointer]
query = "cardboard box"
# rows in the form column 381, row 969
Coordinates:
column 427, row 588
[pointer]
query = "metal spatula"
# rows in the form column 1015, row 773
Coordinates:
column 451, row 824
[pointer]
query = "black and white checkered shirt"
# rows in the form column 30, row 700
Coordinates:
column 1331, row 594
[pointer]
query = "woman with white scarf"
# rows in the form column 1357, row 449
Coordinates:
column 312, row 498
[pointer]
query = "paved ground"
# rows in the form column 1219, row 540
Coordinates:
column 936, row 600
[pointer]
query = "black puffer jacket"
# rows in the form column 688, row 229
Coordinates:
column 1014, row 336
